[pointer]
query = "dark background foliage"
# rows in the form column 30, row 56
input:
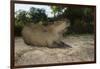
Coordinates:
column 81, row 18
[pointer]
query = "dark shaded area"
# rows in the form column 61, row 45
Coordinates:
column 61, row 44
column 81, row 19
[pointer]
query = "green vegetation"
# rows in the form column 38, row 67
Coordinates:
column 37, row 15
column 81, row 18
column 20, row 20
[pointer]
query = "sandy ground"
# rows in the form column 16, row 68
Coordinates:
column 82, row 50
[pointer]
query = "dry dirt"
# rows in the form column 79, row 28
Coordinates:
column 82, row 50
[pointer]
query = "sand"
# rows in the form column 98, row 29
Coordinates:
column 82, row 50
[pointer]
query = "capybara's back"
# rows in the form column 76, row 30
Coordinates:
column 39, row 35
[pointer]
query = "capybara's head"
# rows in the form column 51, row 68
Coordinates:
column 59, row 26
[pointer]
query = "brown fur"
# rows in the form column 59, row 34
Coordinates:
column 39, row 35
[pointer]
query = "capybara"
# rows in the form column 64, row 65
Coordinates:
column 40, row 35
